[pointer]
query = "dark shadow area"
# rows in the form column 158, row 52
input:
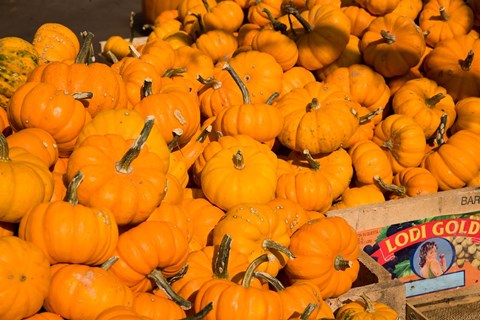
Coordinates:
column 104, row 18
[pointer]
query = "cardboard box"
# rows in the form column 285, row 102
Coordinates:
column 394, row 232
column 377, row 284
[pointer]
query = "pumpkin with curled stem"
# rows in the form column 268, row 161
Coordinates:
column 366, row 309
column 410, row 182
column 121, row 174
column 326, row 253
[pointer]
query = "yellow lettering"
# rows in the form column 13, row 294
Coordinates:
column 474, row 227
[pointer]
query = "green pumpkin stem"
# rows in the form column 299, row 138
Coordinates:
column 342, row 264
column 314, row 165
column 124, row 165
column 238, row 160
column 200, row 314
column 399, row 190
column 271, row 245
column 248, row 276
column 294, row 12
column 272, row 98
column 277, row 25
column 239, row 82
column 4, row 150
column 177, row 134
column 109, row 263
column 369, row 116
column 389, row 37
column 274, row 282
column 308, row 311
column 162, row 283
column 85, row 52
column 179, row 275
column 467, row 63
column 432, row 101
column 220, row 264
column 207, row 6
column 209, row 82
column 313, row 105
column 71, row 195
column 169, row 73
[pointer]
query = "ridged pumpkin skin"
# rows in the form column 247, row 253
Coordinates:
column 45, row 316
column 57, row 227
column 318, row 117
column 26, row 182
column 366, row 309
column 130, row 193
column 55, row 42
column 25, row 274
column 18, row 58
column 81, row 292
column 238, row 175
column 42, row 105
column 326, row 252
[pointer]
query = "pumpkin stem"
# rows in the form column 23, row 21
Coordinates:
column 169, row 73
column 313, row 105
column 238, row 160
column 314, row 165
column 131, row 22
column 134, row 52
column 210, row 82
column 124, row 165
column 220, row 265
column 200, row 314
column 399, row 190
column 388, row 36
column 247, row 277
column 179, row 275
column 177, row 134
column 72, row 195
column 288, row 9
column 110, row 55
column 109, row 263
column 272, row 98
column 147, row 89
column 4, row 150
column 82, row 95
column 369, row 116
column 239, row 82
column 443, row 13
column 162, row 283
column 84, row 53
column 271, row 245
column 440, row 132
column 467, row 63
column 368, row 303
column 432, row 101
column 277, row 25
column 341, row 264
column 308, row 311
column 207, row 6
column 274, row 282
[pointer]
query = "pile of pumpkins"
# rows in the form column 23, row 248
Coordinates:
column 191, row 176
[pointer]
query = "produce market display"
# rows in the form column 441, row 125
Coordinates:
column 191, row 173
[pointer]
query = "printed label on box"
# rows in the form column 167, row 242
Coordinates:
column 428, row 255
